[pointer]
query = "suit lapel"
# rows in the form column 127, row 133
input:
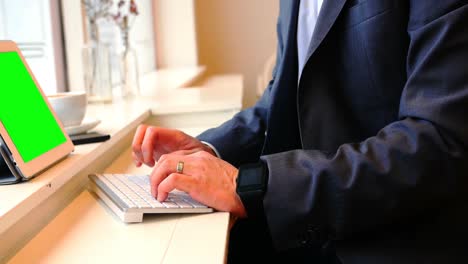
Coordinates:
column 291, row 9
column 327, row 17
column 282, row 120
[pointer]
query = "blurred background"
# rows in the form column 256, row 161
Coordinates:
column 72, row 45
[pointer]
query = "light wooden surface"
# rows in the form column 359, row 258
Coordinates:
column 87, row 231
column 29, row 206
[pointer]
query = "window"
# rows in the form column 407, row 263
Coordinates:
column 52, row 33
column 32, row 29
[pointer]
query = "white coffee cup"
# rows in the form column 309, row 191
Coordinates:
column 69, row 106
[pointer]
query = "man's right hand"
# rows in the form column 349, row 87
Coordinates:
column 150, row 142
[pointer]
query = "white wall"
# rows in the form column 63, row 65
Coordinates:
column 142, row 34
column 236, row 37
column 175, row 33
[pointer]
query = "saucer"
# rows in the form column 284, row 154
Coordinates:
column 86, row 125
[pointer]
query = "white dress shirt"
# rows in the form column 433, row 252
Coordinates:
column 308, row 13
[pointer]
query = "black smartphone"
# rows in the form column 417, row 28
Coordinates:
column 87, row 138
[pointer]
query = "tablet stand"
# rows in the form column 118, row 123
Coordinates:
column 6, row 175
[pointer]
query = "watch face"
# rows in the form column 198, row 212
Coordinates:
column 251, row 177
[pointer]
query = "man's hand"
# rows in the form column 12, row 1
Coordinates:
column 150, row 142
column 205, row 178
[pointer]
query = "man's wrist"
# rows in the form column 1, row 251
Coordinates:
column 239, row 210
column 211, row 149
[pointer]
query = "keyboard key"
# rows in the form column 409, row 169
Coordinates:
column 183, row 204
column 194, row 203
column 156, row 204
column 170, row 204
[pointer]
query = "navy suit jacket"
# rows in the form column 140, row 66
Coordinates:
column 370, row 149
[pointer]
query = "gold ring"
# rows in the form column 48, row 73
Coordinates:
column 180, row 167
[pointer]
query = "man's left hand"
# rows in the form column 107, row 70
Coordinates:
column 205, row 178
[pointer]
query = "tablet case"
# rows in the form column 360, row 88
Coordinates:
column 8, row 172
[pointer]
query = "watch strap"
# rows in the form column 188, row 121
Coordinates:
column 250, row 191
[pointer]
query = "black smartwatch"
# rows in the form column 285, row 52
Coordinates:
column 251, row 186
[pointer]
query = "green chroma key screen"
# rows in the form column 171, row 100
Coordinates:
column 23, row 111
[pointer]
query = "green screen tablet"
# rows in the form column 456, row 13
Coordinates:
column 25, row 115
column 28, row 126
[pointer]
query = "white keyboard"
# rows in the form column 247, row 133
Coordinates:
column 129, row 197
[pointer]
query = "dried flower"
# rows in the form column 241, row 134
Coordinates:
column 122, row 12
column 127, row 10
column 133, row 8
column 125, row 15
column 96, row 9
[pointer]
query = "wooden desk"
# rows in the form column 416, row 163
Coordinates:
column 54, row 219
column 86, row 231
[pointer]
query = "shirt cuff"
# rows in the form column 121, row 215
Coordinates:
column 213, row 148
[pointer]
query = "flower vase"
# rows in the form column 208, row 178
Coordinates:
column 129, row 68
column 97, row 72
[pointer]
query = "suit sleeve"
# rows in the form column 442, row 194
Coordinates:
column 245, row 132
column 411, row 166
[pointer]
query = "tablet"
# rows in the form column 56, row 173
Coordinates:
column 31, row 136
